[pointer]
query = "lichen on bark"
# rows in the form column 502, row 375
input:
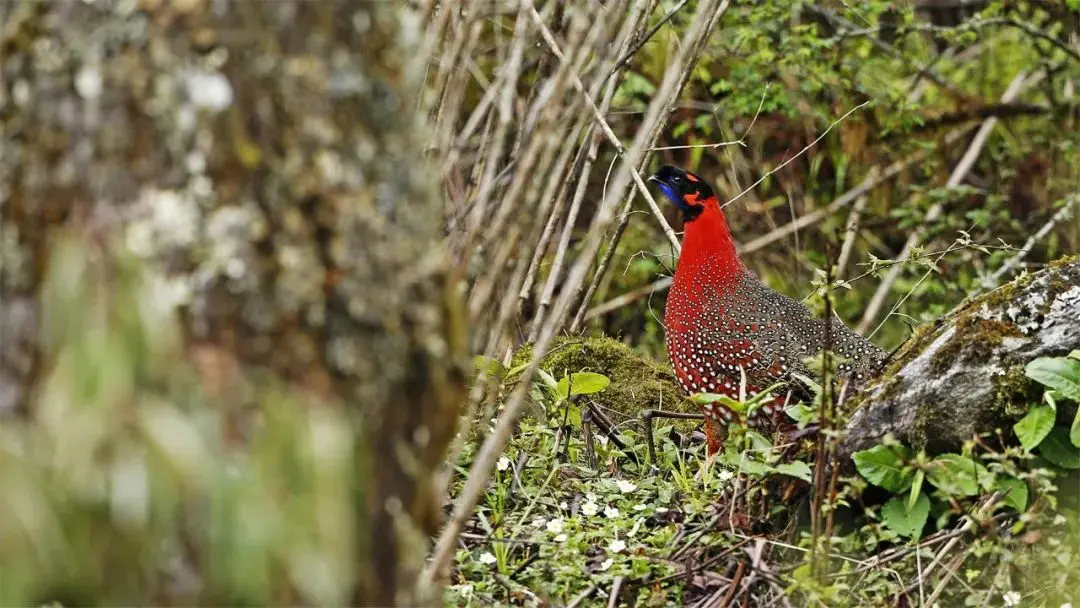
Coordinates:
column 963, row 375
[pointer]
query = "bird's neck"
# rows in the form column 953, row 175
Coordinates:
column 707, row 247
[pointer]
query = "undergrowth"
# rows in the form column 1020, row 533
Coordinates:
column 994, row 524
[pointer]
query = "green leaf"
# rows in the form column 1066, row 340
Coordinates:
column 956, row 475
column 587, row 383
column 884, row 466
column 903, row 520
column 916, row 488
column 1015, row 491
column 548, row 380
column 1059, row 450
column 1059, row 373
column 1074, row 432
column 1035, row 426
column 797, row 469
column 802, row 414
column 706, row 398
column 1075, row 355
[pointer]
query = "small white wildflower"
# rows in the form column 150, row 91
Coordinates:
column 726, row 475
column 1067, row 605
column 625, row 486
column 1011, row 598
column 590, row 497
column 661, row 509
column 589, row 509
column 503, row 464
column 487, row 558
column 555, row 526
column 637, row 526
column 563, row 505
column 1059, row 520
column 539, row 522
column 606, row 564
column 560, row 538
column 602, row 439
column 616, row 546
column 611, row 512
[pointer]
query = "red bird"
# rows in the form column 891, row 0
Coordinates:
column 722, row 322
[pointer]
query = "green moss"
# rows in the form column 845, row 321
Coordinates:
column 974, row 338
column 637, row 383
column 1013, row 393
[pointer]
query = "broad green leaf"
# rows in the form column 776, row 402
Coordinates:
column 884, row 466
column 956, row 475
column 797, row 469
column 1075, row 355
column 1059, row 450
column 1015, row 491
column 1059, row 373
column 1074, row 432
column 1035, row 426
column 587, row 383
column 904, row 521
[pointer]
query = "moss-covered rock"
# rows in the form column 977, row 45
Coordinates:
column 637, row 382
column 964, row 375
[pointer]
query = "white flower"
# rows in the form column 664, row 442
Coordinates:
column 589, row 509
column 607, row 564
column 1059, row 520
column 602, row 439
column 640, row 507
column 590, row 497
column 1012, row 598
column 561, row 538
column 611, row 512
column 563, row 505
column 555, row 526
column 616, row 546
column 503, row 464
column 487, row 558
column 661, row 509
column 1067, row 605
column 726, row 475
column 625, row 486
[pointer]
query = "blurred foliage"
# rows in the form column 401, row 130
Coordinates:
column 139, row 479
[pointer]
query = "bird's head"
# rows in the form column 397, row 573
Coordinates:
column 687, row 191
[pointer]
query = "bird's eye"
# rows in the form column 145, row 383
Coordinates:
column 676, row 179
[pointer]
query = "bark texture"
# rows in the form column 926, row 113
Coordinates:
column 964, row 375
column 266, row 156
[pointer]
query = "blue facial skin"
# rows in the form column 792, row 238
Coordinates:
column 671, row 194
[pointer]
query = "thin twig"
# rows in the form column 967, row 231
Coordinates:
column 1062, row 214
column 800, row 153
column 488, row 453
column 1018, row 84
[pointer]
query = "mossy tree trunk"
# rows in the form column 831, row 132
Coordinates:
column 964, row 375
column 267, row 156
